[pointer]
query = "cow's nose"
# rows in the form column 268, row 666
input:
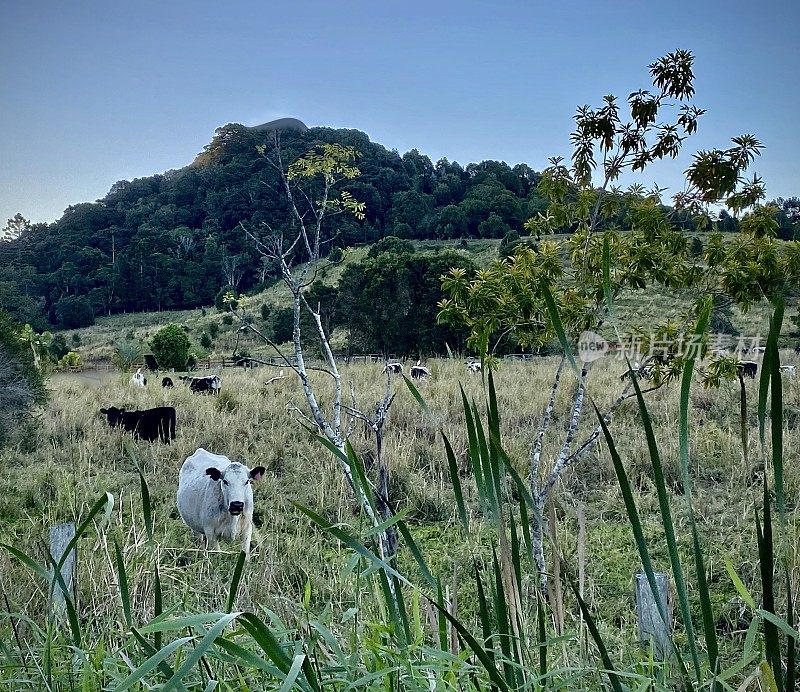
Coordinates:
column 236, row 507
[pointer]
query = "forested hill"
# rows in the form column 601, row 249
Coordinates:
column 174, row 240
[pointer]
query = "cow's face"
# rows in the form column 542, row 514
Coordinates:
column 113, row 415
column 234, row 481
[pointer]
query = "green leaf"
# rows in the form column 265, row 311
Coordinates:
column 233, row 590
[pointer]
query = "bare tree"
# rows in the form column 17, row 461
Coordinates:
column 311, row 186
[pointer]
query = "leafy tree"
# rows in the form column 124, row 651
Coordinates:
column 205, row 341
column 73, row 311
column 580, row 278
column 282, row 325
column 14, row 228
column 58, row 348
column 23, row 384
column 391, row 244
column 170, row 346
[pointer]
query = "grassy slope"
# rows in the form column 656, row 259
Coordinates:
column 633, row 308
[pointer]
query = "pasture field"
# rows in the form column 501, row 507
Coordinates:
column 298, row 574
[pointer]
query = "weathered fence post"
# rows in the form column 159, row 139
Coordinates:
column 60, row 536
column 650, row 624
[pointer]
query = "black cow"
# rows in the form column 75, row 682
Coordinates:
column 150, row 425
column 202, row 385
column 166, row 383
column 748, row 368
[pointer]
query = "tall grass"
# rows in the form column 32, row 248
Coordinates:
column 458, row 608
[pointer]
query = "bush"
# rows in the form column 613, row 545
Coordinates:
column 283, row 325
column 17, row 364
column 205, row 341
column 335, row 255
column 213, row 330
column 70, row 360
column 73, row 311
column 76, row 340
column 58, row 348
column 219, row 299
column 227, row 319
column 126, row 353
column 171, row 347
column 266, row 310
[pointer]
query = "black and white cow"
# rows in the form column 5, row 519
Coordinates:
column 151, row 424
column 138, row 379
column 202, row 385
column 393, row 368
column 167, row 383
column 419, row 372
column 748, row 368
column 473, row 366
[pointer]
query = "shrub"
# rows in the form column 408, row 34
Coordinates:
column 171, row 347
column 282, row 325
column 266, row 309
column 126, row 353
column 17, row 364
column 70, row 360
column 73, row 311
column 227, row 319
column 205, row 341
column 76, row 340
column 219, row 299
column 213, row 330
column 58, row 347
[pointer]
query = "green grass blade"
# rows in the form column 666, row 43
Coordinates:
column 158, row 603
column 775, row 322
column 709, row 629
column 456, row 481
column 558, row 327
column 151, row 664
column 200, row 649
column 541, row 622
column 741, row 589
column 233, row 589
column 294, row 671
column 484, row 615
column 613, row 678
column 772, row 356
column 669, row 527
column 791, row 638
column 486, row 661
column 122, row 577
column 417, row 396
column 349, row 541
column 442, row 623
column 150, row 651
column 473, row 449
column 416, row 553
column 247, row 658
column 502, row 624
column 766, row 559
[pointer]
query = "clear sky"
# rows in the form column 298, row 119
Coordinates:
column 95, row 92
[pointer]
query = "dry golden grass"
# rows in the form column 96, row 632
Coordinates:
column 72, row 457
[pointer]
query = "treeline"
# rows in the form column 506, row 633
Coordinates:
column 175, row 240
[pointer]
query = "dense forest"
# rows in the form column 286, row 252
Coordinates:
column 177, row 239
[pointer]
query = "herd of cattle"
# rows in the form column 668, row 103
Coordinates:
column 215, row 494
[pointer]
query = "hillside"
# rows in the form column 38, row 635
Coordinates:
column 174, row 240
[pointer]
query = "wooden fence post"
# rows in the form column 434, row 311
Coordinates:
column 650, row 624
column 60, row 536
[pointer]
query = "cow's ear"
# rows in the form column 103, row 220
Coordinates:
column 257, row 472
column 215, row 473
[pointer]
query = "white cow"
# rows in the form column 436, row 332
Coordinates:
column 138, row 379
column 473, row 366
column 215, row 498
column 790, row 370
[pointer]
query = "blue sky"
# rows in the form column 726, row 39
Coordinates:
column 95, row 92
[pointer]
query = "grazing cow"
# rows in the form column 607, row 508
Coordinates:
column 203, row 385
column 138, row 379
column 419, row 372
column 759, row 349
column 215, row 498
column 747, row 368
column 167, row 383
column 393, row 368
column 150, row 425
column 790, row 370
column 473, row 366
